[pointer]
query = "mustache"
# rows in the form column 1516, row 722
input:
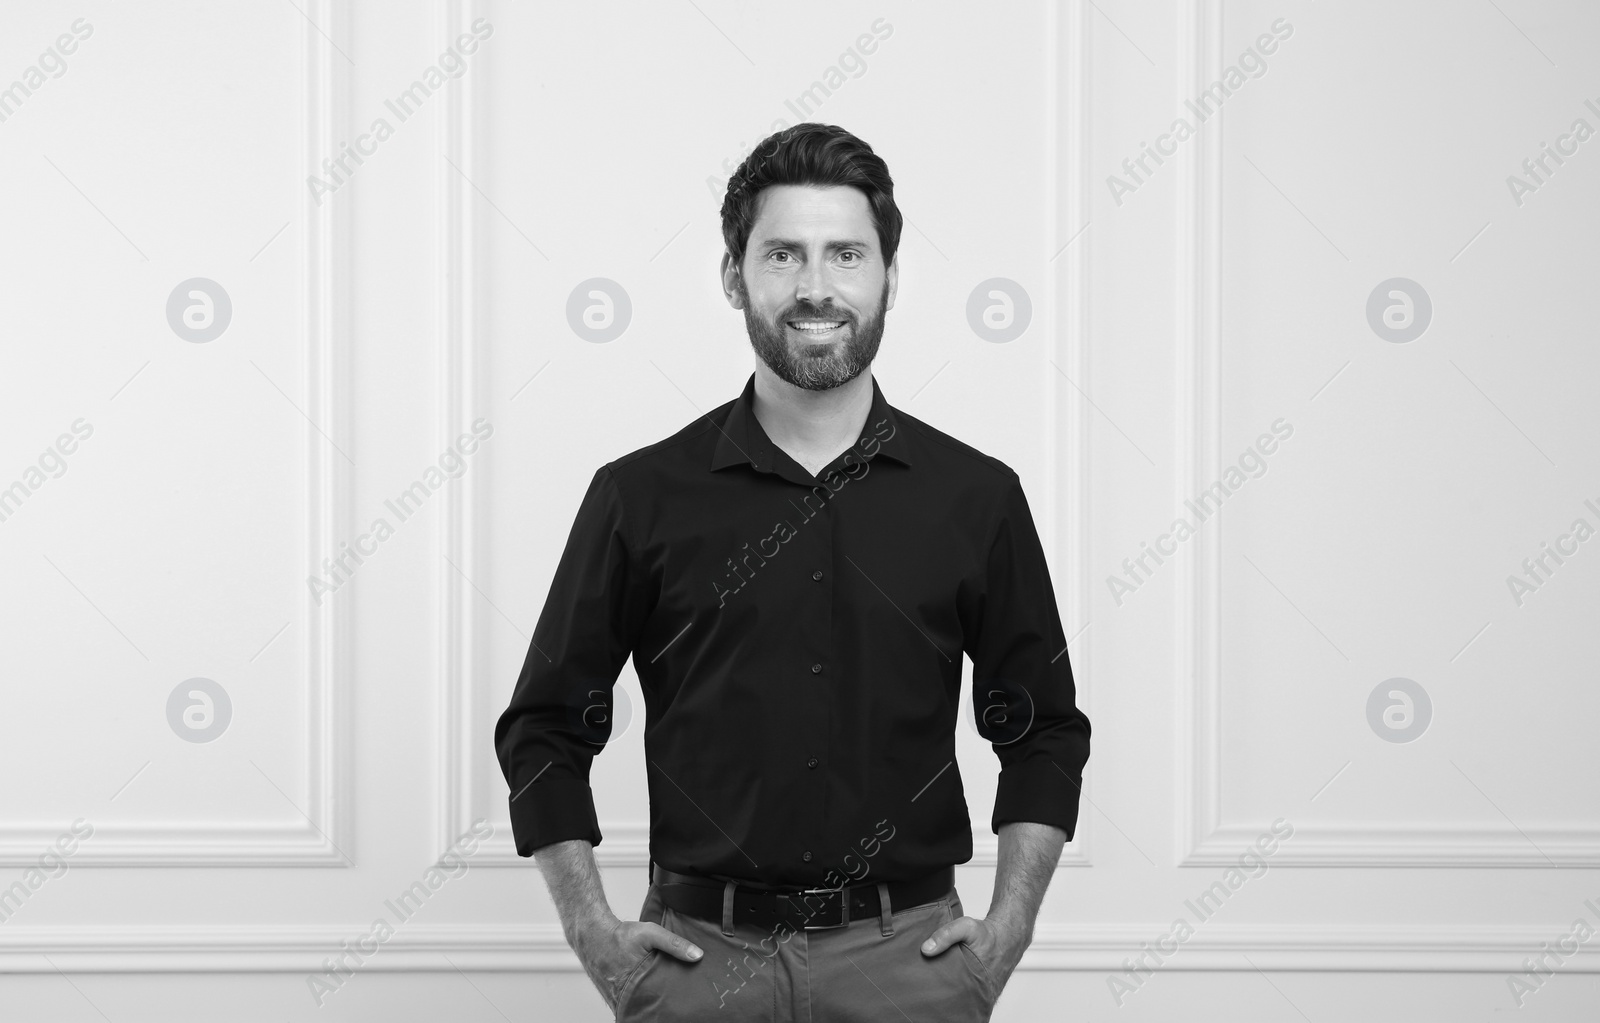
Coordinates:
column 811, row 312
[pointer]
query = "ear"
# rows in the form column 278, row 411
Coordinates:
column 894, row 281
column 730, row 281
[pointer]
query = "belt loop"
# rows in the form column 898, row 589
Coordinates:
column 727, row 907
column 886, row 915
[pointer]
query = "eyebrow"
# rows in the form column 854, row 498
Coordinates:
column 795, row 243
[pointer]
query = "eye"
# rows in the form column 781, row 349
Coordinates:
column 782, row 253
column 850, row 255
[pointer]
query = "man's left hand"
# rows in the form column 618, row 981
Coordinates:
column 999, row 943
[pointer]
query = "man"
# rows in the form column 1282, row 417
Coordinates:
column 797, row 575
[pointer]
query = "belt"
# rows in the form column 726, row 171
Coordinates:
column 803, row 909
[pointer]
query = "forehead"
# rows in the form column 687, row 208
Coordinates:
column 812, row 211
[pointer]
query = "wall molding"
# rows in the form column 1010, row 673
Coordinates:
column 541, row 948
column 1070, row 462
column 457, row 287
column 1199, row 321
column 1418, row 845
column 326, row 278
column 1203, row 837
column 324, row 311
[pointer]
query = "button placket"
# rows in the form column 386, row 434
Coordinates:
column 819, row 710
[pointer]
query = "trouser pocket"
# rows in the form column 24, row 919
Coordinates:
column 730, row 983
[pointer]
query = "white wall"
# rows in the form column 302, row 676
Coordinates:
column 1173, row 321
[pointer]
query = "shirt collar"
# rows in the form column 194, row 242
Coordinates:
column 741, row 439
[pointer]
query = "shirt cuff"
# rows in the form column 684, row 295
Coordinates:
column 550, row 811
column 1039, row 792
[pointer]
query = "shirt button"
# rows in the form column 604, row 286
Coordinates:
column 817, row 575
column 812, row 762
column 806, row 856
column 816, row 669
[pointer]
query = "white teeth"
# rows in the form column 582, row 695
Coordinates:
column 816, row 326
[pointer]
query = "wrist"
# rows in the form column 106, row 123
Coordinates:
column 588, row 923
column 1013, row 920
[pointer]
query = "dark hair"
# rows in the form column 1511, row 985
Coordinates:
column 810, row 154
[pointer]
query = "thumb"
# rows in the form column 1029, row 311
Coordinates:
column 957, row 930
column 656, row 936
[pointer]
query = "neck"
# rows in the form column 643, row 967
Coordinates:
column 812, row 427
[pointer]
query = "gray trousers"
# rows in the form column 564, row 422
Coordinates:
column 865, row 972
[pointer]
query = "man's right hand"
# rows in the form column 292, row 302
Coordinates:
column 610, row 949
column 607, row 947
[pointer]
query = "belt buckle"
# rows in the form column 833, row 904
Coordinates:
column 844, row 906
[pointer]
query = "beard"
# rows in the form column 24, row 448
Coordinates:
column 815, row 366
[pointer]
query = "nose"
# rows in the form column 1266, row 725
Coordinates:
column 813, row 285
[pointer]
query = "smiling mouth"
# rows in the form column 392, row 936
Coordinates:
column 815, row 328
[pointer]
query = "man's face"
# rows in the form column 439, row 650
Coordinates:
column 813, row 284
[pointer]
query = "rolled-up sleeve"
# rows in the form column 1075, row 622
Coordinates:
column 591, row 618
column 1023, row 690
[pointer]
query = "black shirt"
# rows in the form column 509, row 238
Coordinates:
column 799, row 643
